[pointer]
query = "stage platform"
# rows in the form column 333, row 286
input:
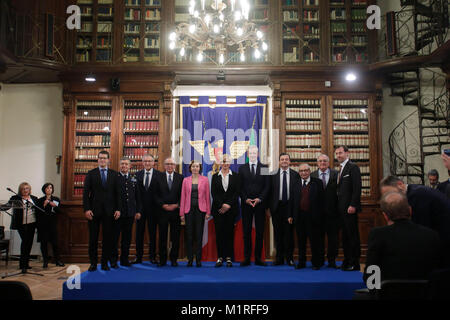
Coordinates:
column 149, row 282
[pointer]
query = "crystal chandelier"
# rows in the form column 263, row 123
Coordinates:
column 223, row 26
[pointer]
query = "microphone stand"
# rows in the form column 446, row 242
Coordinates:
column 28, row 204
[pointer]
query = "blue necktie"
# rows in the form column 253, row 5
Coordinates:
column 169, row 182
column 324, row 181
column 104, row 177
column 284, row 198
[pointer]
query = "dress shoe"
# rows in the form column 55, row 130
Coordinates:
column 245, row 263
column 174, row 263
column 332, row 264
column 162, row 264
column 229, row 263
column 114, row 265
column 59, row 263
column 105, row 267
column 300, row 266
column 190, row 263
column 291, row 263
column 92, row 267
column 219, row 263
column 137, row 261
column 260, row 263
column 198, row 264
column 45, row 265
column 125, row 263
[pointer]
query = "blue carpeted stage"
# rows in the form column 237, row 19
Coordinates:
column 148, row 282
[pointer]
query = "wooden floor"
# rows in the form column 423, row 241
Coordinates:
column 47, row 287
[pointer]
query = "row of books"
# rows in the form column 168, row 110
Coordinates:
column 86, row 154
column 339, row 41
column 132, row 28
column 138, row 2
column 358, row 14
column 105, row 1
column 310, row 15
column 141, row 126
column 83, row 57
column 361, row 57
column 365, row 192
column 304, row 154
column 359, row 40
column 151, row 43
column 154, row 14
column 105, row 27
column 141, row 140
column 311, row 2
column 303, row 113
column 359, row 153
column 86, row 11
column 304, row 140
column 351, row 102
column 132, row 14
column 103, row 55
column 338, row 27
column 87, row 114
column 291, row 15
column 138, row 153
column 84, row 1
column 78, row 181
column 338, row 14
column 93, row 126
column 310, row 56
column 351, row 140
column 135, row 167
column 84, row 167
column 105, row 11
column 351, row 113
column 365, row 181
column 358, row 27
column 93, row 141
column 339, row 57
column 303, row 102
column 151, row 57
column 351, row 126
column 296, row 167
column 93, row 103
column 84, row 43
column 103, row 42
column 303, row 125
column 141, row 114
column 131, row 42
column 142, row 104
column 310, row 30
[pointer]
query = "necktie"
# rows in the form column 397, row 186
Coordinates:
column 253, row 170
column 169, row 182
column 284, row 198
column 103, row 177
column 304, row 183
column 147, row 180
column 324, row 181
column 339, row 175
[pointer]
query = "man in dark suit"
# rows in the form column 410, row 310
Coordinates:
column 444, row 187
column 430, row 208
column 167, row 197
column 433, row 178
column 283, row 183
column 131, row 205
column 333, row 220
column 254, row 191
column 101, row 202
column 146, row 182
column 402, row 249
column 349, row 204
column 308, row 217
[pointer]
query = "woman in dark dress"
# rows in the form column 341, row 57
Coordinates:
column 47, row 224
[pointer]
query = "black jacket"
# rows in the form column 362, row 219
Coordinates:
column 253, row 187
column 316, row 201
column 330, row 195
column 148, row 196
column 274, row 198
column 430, row 208
column 229, row 197
column 349, row 188
column 101, row 199
column 17, row 214
column 404, row 250
column 163, row 195
column 130, row 197
column 444, row 187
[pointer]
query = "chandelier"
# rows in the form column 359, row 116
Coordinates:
column 222, row 27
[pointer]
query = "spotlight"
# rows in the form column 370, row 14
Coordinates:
column 350, row 76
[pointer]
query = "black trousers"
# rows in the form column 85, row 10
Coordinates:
column 47, row 232
column 169, row 219
column 248, row 212
column 106, row 221
column 26, row 232
column 124, row 226
column 195, row 221
column 332, row 227
column 283, row 234
column 307, row 228
column 224, row 224
column 350, row 239
column 149, row 219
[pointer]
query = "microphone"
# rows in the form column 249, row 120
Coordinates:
column 9, row 189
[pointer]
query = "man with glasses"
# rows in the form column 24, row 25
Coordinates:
column 146, row 181
column 332, row 222
column 101, row 202
column 167, row 197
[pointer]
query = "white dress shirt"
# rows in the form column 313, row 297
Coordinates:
column 169, row 175
column 327, row 175
column 281, row 183
column 225, row 179
column 29, row 215
column 307, row 180
column 253, row 163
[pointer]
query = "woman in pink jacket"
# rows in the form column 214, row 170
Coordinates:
column 195, row 204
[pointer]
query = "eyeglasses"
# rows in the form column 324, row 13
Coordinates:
column 102, row 158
